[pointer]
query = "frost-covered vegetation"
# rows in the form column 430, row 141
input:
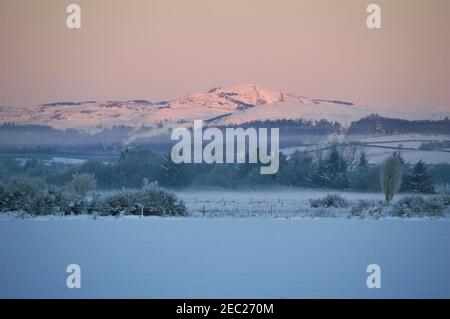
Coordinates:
column 150, row 200
column 34, row 196
column 38, row 188
column 328, row 201
column 408, row 206
column 419, row 206
column 296, row 203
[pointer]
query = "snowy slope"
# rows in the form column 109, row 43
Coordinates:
column 235, row 105
column 342, row 113
column 93, row 116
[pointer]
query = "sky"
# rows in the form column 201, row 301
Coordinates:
column 164, row 49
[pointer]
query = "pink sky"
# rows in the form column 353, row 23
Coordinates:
column 163, row 49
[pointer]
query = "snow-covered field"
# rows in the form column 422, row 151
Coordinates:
column 224, row 257
column 378, row 155
column 377, row 151
column 285, row 202
column 380, row 147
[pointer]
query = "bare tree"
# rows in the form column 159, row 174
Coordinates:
column 391, row 176
column 81, row 184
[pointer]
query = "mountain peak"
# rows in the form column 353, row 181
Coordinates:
column 232, row 98
column 220, row 106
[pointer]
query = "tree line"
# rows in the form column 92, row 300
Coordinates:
column 339, row 166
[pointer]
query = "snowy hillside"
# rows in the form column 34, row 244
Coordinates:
column 94, row 115
column 332, row 111
column 223, row 106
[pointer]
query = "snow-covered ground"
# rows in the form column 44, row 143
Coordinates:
column 377, row 150
column 224, row 257
column 378, row 155
column 380, row 147
column 54, row 160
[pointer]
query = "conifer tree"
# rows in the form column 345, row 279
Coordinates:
column 420, row 180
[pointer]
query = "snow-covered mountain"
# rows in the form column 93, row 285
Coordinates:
column 220, row 106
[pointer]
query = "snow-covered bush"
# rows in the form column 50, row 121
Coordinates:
column 36, row 197
column 3, row 206
column 360, row 207
column 31, row 195
column 121, row 203
column 151, row 200
column 445, row 199
column 19, row 192
column 331, row 200
column 61, row 199
column 97, row 205
column 42, row 203
column 157, row 201
column 419, row 206
column 77, row 205
column 77, row 190
column 367, row 208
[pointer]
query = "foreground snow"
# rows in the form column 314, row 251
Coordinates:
column 223, row 257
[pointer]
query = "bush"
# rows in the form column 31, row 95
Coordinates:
column 445, row 200
column 43, row 203
column 31, row 195
column 418, row 206
column 19, row 191
column 36, row 197
column 331, row 200
column 367, row 208
column 151, row 200
column 121, row 203
column 61, row 199
column 158, row 201
column 50, row 200
column 3, row 205
column 360, row 207
column 96, row 205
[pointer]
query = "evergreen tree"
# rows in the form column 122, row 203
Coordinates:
column 35, row 168
column 331, row 171
column 3, row 172
column 363, row 162
column 299, row 168
column 135, row 165
column 360, row 176
column 172, row 174
column 420, row 180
